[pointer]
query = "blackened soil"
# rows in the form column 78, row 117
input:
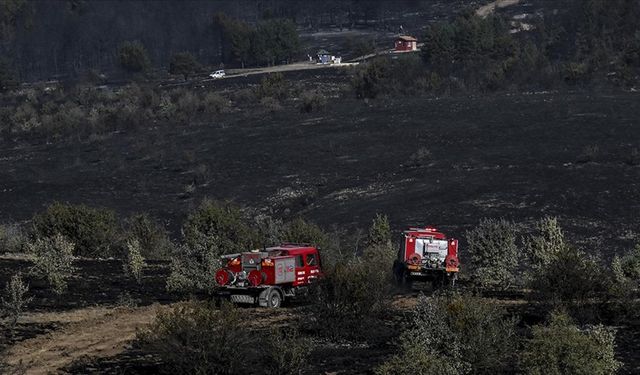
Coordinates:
column 95, row 282
column 447, row 162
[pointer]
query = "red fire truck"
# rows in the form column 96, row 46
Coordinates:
column 427, row 255
column 268, row 276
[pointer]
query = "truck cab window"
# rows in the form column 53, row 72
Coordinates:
column 311, row 259
column 299, row 261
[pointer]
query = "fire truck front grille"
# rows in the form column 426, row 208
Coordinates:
column 241, row 298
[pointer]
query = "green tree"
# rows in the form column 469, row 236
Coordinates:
column 380, row 231
column 94, row 231
column 494, row 252
column 133, row 57
column 52, row 259
column 183, row 63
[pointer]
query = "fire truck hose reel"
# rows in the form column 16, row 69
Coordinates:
column 256, row 277
column 415, row 259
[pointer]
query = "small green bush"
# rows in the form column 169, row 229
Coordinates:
column 183, row 63
column 286, row 352
column 560, row 347
column 151, row 236
column 218, row 222
column 14, row 300
column 273, row 86
column 12, row 238
column 379, row 231
column 312, row 102
column 94, row 231
column 194, row 338
column 351, row 296
column 542, row 247
column 572, row 277
column 52, row 259
column 461, row 333
column 214, row 103
column 133, row 57
column 301, row 231
column 494, row 253
column 134, row 262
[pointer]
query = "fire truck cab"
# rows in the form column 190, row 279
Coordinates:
column 426, row 255
column 267, row 277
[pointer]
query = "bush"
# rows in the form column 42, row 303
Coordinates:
column 12, row 238
column 133, row 57
column 542, row 248
column 285, row 352
column 301, row 231
column 193, row 266
column 560, row 347
column 312, row 102
column 351, row 296
column 273, row 86
column 52, row 259
column 14, row 300
column 367, row 80
column 572, row 277
column 183, row 63
column 194, row 338
column 94, row 231
column 494, row 253
column 218, row 222
column 134, row 262
column 210, row 231
column 152, row 237
column 214, row 103
column 463, row 334
column 270, row 104
column 379, row 231
column 417, row 361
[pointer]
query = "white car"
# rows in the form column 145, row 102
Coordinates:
column 217, row 74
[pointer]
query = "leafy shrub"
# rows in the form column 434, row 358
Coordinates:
column 351, row 295
column 628, row 266
column 194, row 338
column 273, row 86
column 14, row 300
column 380, row 231
column 12, row 238
column 218, row 222
column 214, row 103
column 301, row 231
column 52, row 259
column 572, row 277
column 463, row 334
column 286, row 352
column 367, row 80
column 270, row 104
column 193, row 266
column 624, row 287
column 543, row 246
column 312, row 102
column 94, row 231
column 494, row 252
column 560, row 347
column 152, row 238
column 133, row 57
column 134, row 262
column 183, row 63
column 417, row 361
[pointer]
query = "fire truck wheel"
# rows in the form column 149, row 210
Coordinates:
column 274, row 300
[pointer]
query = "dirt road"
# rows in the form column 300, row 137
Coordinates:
column 92, row 332
column 486, row 10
